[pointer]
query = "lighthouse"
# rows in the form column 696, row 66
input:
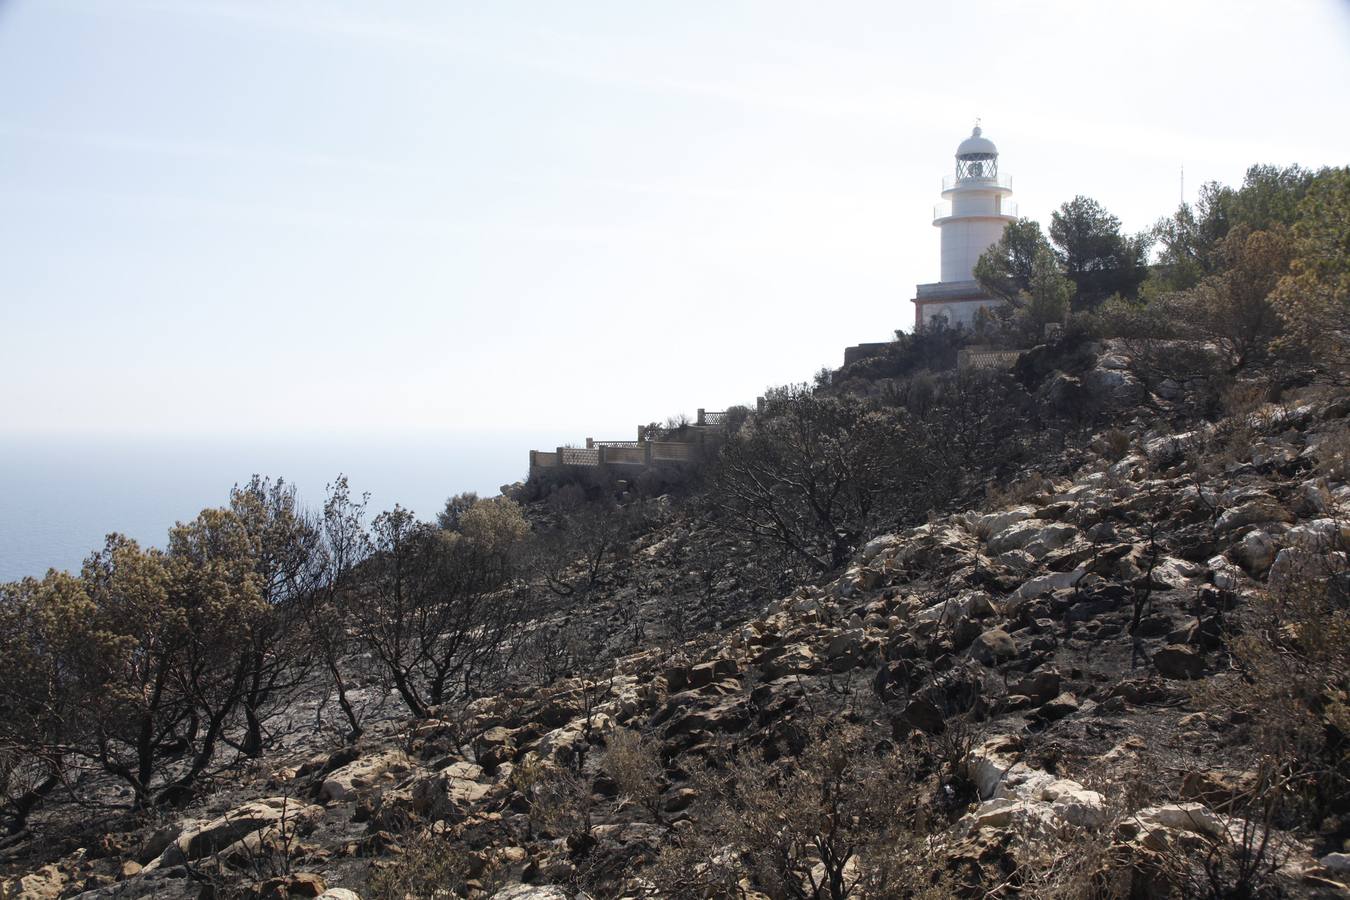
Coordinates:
column 972, row 215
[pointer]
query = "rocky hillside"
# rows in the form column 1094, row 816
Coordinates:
column 1127, row 680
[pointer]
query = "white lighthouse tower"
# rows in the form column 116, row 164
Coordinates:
column 972, row 216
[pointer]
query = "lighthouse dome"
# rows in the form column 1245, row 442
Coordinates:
column 977, row 147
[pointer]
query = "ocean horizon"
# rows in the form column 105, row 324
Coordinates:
column 61, row 495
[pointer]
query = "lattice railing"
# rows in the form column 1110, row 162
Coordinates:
column 579, row 456
column 987, row 359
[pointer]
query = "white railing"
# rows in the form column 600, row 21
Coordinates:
column 943, row 210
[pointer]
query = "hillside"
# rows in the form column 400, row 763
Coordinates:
column 1076, row 628
column 1085, row 680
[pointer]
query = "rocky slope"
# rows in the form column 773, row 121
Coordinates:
column 1055, row 639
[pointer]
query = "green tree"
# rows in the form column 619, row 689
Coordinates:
column 433, row 609
column 1232, row 308
column 1047, row 295
column 139, row 711
column 278, row 654
column 1099, row 259
column 1005, row 269
column 455, row 507
column 45, row 630
column 1189, row 240
column 1313, row 299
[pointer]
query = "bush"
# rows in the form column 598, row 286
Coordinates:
column 840, row 820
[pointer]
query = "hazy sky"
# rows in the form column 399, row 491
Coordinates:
column 257, row 216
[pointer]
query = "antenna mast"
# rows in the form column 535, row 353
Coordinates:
column 1183, row 184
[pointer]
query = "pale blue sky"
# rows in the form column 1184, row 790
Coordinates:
column 271, row 216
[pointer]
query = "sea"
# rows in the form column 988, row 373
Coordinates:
column 60, row 496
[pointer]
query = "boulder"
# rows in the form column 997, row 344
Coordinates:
column 450, row 793
column 339, row 894
column 1294, row 566
column 994, row 646
column 845, row 643
column 1319, row 535
column 1039, row 687
column 924, row 715
column 1063, row 705
column 1255, row 511
column 1218, row 790
column 1179, row 661
column 1256, row 551
column 253, row 822
column 301, row 884
column 788, row 660
column 47, row 883
column 1045, row 583
column 1193, row 818
column 994, row 523
column 494, row 747
column 530, row 892
column 1075, row 804
column 1004, row 812
column 363, row 774
column 1032, row 531
column 1226, row 576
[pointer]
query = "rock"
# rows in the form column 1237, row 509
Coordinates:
column 1256, row 551
column 728, row 714
column 1045, row 583
column 1336, row 862
column 1179, row 661
column 845, row 643
column 339, row 894
column 1004, row 812
column 1193, row 818
column 924, row 715
column 302, row 884
column 1026, row 533
column 558, row 743
column 1319, row 535
column 1259, row 509
column 680, row 799
column 946, row 611
column 1039, row 687
column 1295, row 567
column 1113, row 383
column 788, row 660
column 994, row 646
column 1226, row 576
column 877, row 545
column 449, row 794
column 1218, row 790
column 994, row 523
column 677, row 678
column 1075, row 804
column 494, row 747
column 363, row 774
column 1063, row 705
column 253, row 821
column 47, row 883
column 530, row 892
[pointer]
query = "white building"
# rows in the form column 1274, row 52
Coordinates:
column 972, row 216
